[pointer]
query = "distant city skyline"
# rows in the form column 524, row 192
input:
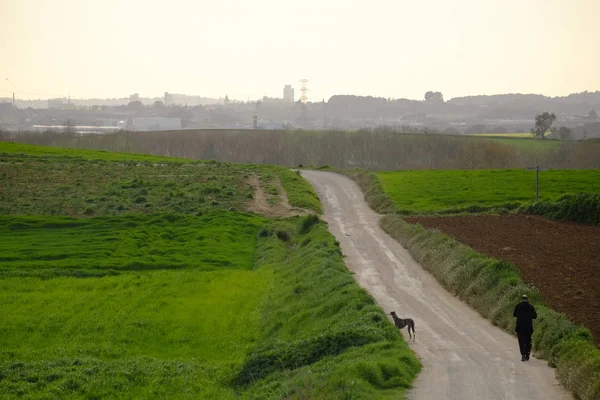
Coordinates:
column 247, row 50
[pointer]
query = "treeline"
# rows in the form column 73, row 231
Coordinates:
column 374, row 151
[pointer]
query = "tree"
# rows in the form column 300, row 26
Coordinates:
column 564, row 133
column 159, row 104
column 593, row 114
column 434, row 97
column 543, row 123
column 135, row 105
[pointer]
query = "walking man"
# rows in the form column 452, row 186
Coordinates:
column 525, row 314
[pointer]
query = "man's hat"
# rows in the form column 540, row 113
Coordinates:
column 524, row 297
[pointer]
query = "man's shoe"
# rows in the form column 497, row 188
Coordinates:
column 523, row 358
column 527, row 357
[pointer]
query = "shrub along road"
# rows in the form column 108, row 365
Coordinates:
column 463, row 355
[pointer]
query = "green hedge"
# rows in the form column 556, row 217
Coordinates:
column 492, row 287
column 582, row 207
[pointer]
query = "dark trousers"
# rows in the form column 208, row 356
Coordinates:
column 525, row 342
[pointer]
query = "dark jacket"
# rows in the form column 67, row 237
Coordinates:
column 525, row 314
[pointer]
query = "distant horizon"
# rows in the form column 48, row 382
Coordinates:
column 296, row 98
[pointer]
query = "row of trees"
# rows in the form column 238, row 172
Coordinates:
column 371, row 150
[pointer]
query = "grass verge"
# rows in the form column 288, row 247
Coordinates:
column 322, row 335
column 492, row 287
column 300, row 193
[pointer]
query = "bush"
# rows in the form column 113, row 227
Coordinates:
column 308, row 222
column 582, row 207
column 284, row 235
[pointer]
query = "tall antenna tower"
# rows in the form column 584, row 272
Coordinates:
column 303, row 90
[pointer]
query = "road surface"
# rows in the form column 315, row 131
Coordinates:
column 463, row 355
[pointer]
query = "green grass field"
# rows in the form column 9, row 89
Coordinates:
column 173, row 331
column 15, row 149
column 187, row 298
column 266, row 326
column 439, row 190
column 78, row 184
column 131, row 242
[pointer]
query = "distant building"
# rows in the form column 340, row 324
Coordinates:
column 6, row 109
column 288, row 93
column 156, row 124
column 226, row 101
column 60, row 104
column 134, row 97
column 168, row 99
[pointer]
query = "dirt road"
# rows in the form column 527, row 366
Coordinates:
column 463, row 355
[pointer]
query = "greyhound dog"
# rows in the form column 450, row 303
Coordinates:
column 402, row 322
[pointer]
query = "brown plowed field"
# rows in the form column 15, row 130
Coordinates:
column 561, row 259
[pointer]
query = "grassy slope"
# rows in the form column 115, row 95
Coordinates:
column 77, row 184
column 441, row 190
column 321, row 333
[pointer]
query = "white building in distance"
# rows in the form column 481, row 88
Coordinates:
column 288, row 93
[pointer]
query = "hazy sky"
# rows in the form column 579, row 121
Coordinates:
column 395, row 48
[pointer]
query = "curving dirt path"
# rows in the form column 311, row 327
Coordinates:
column 464, row 356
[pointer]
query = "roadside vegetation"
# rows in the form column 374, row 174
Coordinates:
column 322, row 335
column 492, row 287
column 451, row 191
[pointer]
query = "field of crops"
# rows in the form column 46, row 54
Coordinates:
column 460, row 190
column 148, row 278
